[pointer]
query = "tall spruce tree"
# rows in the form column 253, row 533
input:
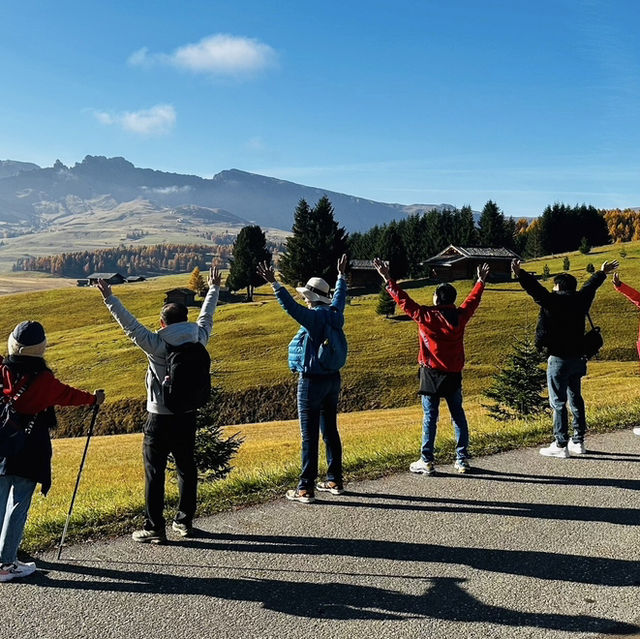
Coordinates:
column 392, row 250
column 467, row 233
column 491, row 227
column 518, row 386
column 316, row 244
column 249, row 249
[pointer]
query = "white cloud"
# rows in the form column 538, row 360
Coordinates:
column 158, row 120
column 219, row 54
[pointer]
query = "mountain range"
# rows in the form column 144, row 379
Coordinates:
column 44, row 197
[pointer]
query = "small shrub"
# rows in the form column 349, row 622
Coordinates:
column 546, row 272
column 566, row 264
column 591, row 268
column 623, row 253
column 386, row 305
column 585, row 247
column 517, row 387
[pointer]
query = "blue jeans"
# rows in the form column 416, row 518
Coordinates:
column 431, row 408
column 317, row 411
column 15, row 499
column 563, row 379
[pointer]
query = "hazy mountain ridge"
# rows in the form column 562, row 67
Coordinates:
column 32, row 196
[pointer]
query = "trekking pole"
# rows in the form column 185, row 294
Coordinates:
column 96, row 408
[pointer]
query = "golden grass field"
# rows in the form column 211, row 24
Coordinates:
column 248, row 347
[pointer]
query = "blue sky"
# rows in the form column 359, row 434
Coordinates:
column 523, row 102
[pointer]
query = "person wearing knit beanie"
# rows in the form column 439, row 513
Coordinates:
column 28, row 338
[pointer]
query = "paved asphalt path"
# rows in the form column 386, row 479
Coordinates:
column 525, row 546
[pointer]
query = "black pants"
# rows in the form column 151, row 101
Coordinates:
column 164, row 434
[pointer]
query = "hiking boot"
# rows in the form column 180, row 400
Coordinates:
column 576, row 448
column 636, row 431
column 302, row 495
column 16, row 570
column 555, row 451
column 330, row 487
column 149, row 536
column 422, row 467
column 182, row 529
column 461, row 465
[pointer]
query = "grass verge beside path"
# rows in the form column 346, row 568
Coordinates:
column 376, row 443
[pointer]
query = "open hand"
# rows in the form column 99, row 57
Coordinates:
column 616, row 279
column 483, row 271
column 99, row 396
column 105, row 288
column 267, row 272
column 215, row 276
column 382, row 268
column 609, row 267
column 342, row 264
column 515, row 267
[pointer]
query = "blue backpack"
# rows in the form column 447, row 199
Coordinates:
column 332, row 353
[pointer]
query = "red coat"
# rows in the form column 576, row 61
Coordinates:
column 44, row 392
column 634, row 296
column 441, row 343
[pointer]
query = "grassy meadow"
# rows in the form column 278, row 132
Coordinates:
column 248, row 347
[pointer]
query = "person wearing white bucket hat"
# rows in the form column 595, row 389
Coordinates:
column 319, row 375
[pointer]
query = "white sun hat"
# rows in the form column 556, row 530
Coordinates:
column 315, row 290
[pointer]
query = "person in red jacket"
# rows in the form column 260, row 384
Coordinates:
column 634, row 296
column 25, row 368
column 441, row 358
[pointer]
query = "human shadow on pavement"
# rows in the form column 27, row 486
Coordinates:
column 561, row 480
column 528, row 563
column 444, row 597
column 562, row 512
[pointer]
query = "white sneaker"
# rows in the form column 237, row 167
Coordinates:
column 576, row 448
column 16, row 570
column 555, row 451
column 422, row 467
column 636, row 431
column 461, row 465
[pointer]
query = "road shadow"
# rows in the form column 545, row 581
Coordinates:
column 443, row 598
column 561, row 512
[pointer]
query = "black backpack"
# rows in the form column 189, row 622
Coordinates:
column 187, row 382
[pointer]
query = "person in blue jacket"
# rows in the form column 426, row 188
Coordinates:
column 318, row 386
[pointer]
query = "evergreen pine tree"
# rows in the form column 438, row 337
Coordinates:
column 590, row 268
column 546, row 272
column 386, row 305
column 517, row 388
column 566, row 264
column 392, row 250
column 491, row 229
column 249, row 249
column 467, row 231
column 316, row 244
column 585, row 247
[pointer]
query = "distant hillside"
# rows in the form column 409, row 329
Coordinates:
column 41, row 197
column 9, row 168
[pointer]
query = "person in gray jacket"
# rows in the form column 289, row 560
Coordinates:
column 166, row 432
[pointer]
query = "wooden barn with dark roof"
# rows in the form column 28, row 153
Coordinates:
column 461, row 263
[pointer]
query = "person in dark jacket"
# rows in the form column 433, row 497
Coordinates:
column 318, row 389
column 20, row 473
column 560, row 332
column 441, row 358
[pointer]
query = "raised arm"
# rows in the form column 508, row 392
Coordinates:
column 140, row 335
column 469, row 306
column 340, row 293
column 205, row 318
column 304, row 316
column 630, row 293
column 416, row 312
column 529, row 283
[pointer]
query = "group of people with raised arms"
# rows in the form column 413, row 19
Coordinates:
column 33, row 390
